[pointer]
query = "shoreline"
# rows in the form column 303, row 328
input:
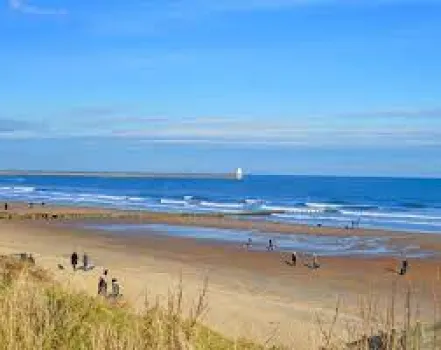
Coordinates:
column 430, row 242
column 20, row 210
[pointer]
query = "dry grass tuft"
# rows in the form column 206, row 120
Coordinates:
column 36, row 313
column 383, row 324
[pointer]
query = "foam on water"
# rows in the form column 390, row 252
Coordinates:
column 403, row 204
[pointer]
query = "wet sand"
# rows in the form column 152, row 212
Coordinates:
column 232, row 221
column 251, row 294
column 20, row 211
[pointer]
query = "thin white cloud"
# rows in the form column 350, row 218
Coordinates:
column 369, row 129
column 25, row 7
column 250, row 134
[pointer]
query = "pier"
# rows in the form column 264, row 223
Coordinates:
column 118, row 174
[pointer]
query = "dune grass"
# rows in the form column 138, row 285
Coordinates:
column 384, row 323
column 37, row 313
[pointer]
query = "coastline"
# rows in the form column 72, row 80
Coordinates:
column 69, row 214
column 20, row 210
column 388, row 204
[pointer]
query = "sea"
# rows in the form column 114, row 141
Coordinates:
column 368, row 202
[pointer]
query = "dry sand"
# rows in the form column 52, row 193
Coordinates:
column 251, row 294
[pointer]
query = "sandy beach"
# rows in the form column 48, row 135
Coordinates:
column 251, row 294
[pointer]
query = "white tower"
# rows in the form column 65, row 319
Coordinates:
column 239, row 174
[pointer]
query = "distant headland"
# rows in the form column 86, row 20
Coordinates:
column 121, row 174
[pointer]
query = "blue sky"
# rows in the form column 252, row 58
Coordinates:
column 275, row 86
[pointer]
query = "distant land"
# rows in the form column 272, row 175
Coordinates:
column 118, row 174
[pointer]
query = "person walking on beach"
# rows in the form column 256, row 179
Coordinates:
column 85, row 262
column 74, row 260
column 270, row 245
column 249, row 243
column 404, row 266
column 102, row 284
column 6, row 206
column 294, row 259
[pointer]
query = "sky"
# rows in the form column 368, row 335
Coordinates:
column 326, row 87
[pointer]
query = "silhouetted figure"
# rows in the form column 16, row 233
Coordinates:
column 6, row 206
column 74, row 260
column 102, row 287
column 270, row 245
column 102, row 284
column 249, row 243
column 404, row 267
column 294, row 259
column 85, row 261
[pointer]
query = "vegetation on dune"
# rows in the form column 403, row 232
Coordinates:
column 37, row 313
column 383, row 323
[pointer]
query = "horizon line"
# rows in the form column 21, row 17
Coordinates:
column 187, row 174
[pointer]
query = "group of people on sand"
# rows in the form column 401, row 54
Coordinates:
column 294, row 257
column 103, row 279
column 30, row 205
column 74, row 261
column 269, row 247
column 314, row 264
column 103, row 284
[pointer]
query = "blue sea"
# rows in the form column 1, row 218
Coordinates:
column 387, row 203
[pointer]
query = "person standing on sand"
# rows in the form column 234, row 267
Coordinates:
column 6, row 206
column 102, row 284
column 270, row 245
column 115, row 288
column 74, row 260
column 404, row 266
column 85, row 262
column 294, row 259
column 249, row 243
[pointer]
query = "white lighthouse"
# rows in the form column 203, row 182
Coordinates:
column 239, row 174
